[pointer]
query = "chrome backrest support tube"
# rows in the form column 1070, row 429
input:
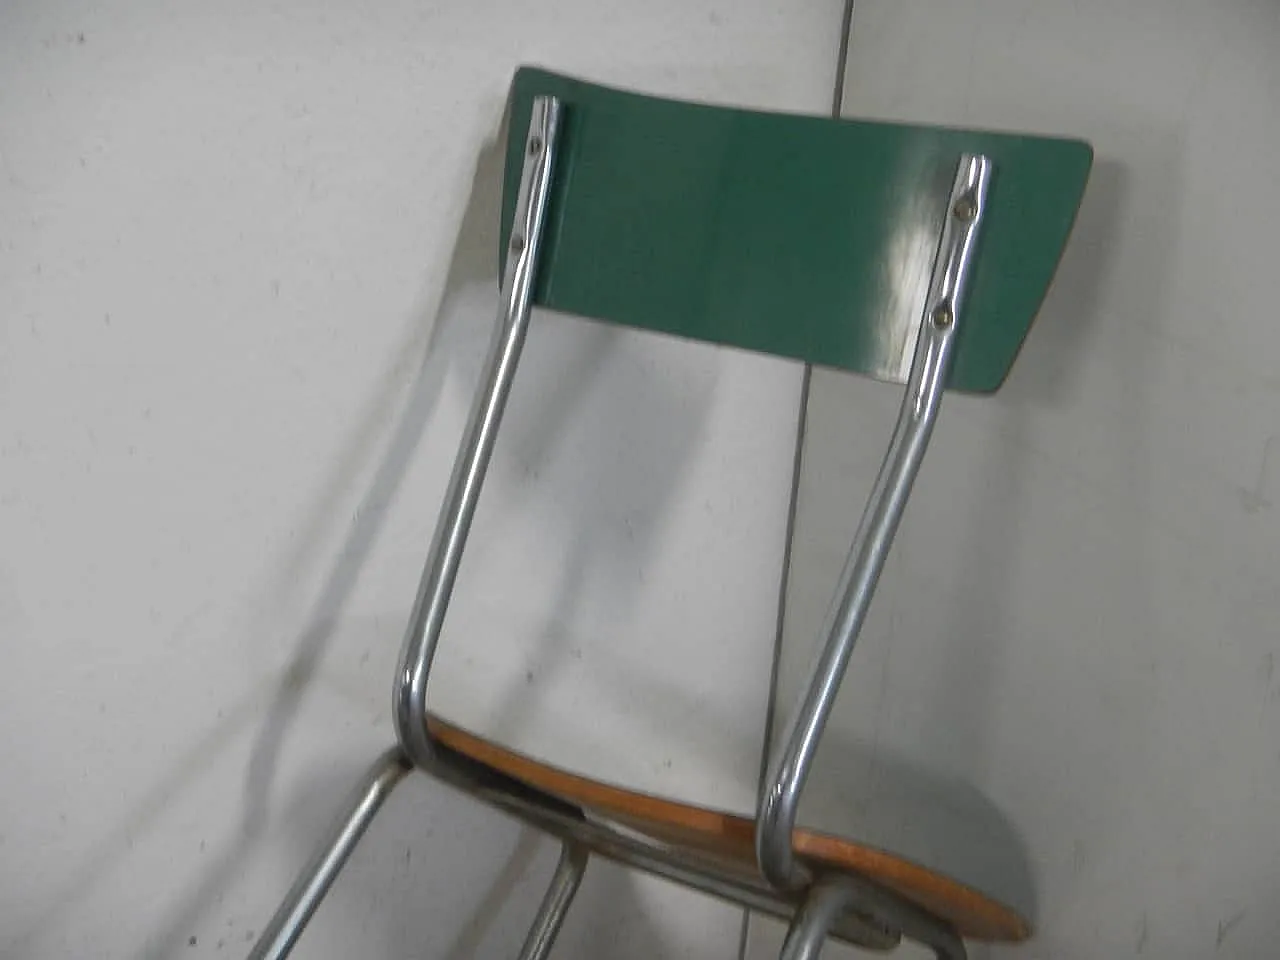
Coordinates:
column 789, row 767
column 476, row 447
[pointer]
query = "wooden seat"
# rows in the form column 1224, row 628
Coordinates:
column 973, row 914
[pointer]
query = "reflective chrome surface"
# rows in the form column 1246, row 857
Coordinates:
column 909, row 259
column 827, row 899
column 833, row 895
column 556, row 902
column 476, row 447
column 914, row 922
column 282, row 932
column 864, row 922
column 698, row 872
column 940, row 319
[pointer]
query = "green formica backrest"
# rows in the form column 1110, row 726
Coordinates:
column 803, row 237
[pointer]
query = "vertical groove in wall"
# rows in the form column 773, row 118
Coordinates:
column 837, row 106
column 842, row 59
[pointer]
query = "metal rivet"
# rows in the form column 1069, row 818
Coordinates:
column 942, row 315
column 965, row 209
column 517, row 243
column 535, row 144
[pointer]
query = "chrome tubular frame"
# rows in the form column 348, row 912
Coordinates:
column 859, row 925
column 284, row 929
column 870, row 917
column 476, row 447
column 556, row 902
column 827, row 899
column 834, row 894
column 839, row 905
column 789, row 767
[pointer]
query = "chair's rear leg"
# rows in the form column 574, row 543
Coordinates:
column 556, row 902
column 313, row 883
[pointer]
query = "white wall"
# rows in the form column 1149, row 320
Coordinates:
column 1080, row 618
column 245, row 280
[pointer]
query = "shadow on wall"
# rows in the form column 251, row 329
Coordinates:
column 599, row 445
column 1047, row 377
column 1068, row 328
column 903, row 803
column 398, row 899
column 1044, row 377
column 892, row 804
column 473, row 262
column 664, row 429
column 1108, row 613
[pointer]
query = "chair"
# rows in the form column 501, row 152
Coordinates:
column 913, row 255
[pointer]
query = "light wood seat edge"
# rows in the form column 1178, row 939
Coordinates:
column 975, row 915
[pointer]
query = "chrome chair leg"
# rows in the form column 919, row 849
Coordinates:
column 280, row 935
column 779, row 800
column 834, row 896
column 556, row 902
column 826, row 901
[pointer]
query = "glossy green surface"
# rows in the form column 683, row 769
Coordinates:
column 803, row 237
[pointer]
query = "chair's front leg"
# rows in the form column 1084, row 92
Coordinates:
column 827, row 899
column 779, row 799
column 313, row 883
column 556, row 902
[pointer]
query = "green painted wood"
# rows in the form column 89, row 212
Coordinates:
column 796, row 236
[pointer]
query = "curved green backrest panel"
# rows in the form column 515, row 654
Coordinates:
column 798, row 236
